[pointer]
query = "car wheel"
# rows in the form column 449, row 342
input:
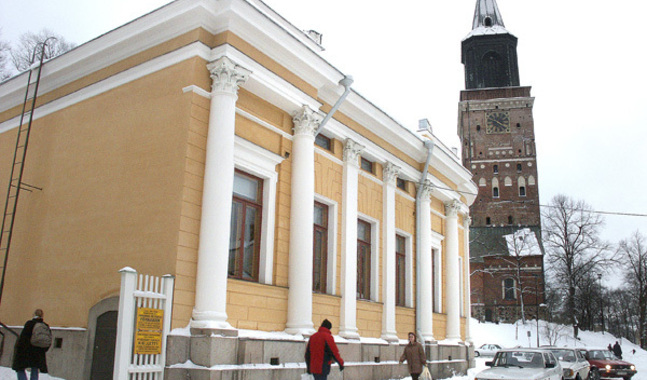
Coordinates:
column 594, row 374
column 476, row 353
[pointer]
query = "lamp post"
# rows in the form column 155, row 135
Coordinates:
column 537, row 305
column 601, row 302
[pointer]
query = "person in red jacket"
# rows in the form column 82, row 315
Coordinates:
column 321, row 351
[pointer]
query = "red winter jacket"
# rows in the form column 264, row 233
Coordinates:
column 321, row 351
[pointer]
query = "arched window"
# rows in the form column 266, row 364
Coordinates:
column 495, row 187
column 507, row 181
column 482, row 182
column 509, row 289
column 531, row 181
column 522, row 187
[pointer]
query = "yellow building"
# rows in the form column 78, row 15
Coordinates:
column 140, row 138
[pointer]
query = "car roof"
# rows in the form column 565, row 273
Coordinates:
column 521, row 350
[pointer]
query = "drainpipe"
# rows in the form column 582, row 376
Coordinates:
column 429, row 144
column 347, row 81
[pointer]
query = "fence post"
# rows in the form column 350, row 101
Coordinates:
column 125, row 323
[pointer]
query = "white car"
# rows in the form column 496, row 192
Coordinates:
column 487, row 349
column 522, row 363
column 573, row 362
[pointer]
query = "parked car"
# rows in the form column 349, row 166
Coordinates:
column 487, row 349
column 522, row 363
column 605, row 365
column 573, row 362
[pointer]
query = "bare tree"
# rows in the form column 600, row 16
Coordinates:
column 4, row 55
column 28, row 49
column 574, row 248
column 633, row 252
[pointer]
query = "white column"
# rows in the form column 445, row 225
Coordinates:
column 213, row 252
column 452, row 271
column 348, row 317
column 299, row 320
column 390, row 175
column 424, row 277
column 468, row 290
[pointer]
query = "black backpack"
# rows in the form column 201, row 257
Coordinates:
column 41, row 336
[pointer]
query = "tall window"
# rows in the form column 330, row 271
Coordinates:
column 508, row 289
column 320, row 251
column 244, row 239
column 400, row 270
column 363, row 260
column 495, row 169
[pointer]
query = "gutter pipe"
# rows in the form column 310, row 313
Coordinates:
column 346, row 81
column 429, row 144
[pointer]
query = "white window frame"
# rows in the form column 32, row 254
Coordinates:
column 514, row 288
column 408, row 267
column 331, row 268
column 375, row 257
column 251, row 158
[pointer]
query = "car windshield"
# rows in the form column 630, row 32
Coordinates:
column 564, row 355
column 522, row 359
column 601, row 355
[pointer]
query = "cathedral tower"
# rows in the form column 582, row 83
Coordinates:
column 497, row 135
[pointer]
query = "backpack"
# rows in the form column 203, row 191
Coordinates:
column 41, row 336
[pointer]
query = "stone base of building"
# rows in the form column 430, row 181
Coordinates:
column 225, row 358
column 507, row 313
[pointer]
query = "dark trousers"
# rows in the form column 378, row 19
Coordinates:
column 319, row 376
column 414, row 376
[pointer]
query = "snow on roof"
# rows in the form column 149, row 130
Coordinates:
column 522, row 242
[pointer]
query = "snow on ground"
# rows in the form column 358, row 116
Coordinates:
column 511, row 335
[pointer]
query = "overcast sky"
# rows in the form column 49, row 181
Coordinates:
column 583, row 58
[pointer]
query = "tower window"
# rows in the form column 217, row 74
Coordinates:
column 495, row 192
column 488, row 22
column 510, row 220
column 478, row 127
column 518, row 168
column 522, row 191
column 518, row 125
column 488, row 221
column 495, row 169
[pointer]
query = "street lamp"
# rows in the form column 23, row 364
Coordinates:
column 601, row 300
column 537, row 303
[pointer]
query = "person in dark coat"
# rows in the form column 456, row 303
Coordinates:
column 414, row 354
column 321, row 351
column 28, row 356
column 617, row 350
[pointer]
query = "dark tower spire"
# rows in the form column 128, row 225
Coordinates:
column 489, row 50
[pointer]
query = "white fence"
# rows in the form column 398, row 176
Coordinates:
column 145, row 305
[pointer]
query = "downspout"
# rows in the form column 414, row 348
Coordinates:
column 429, row 144
column 346, row 81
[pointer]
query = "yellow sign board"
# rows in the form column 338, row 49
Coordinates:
column 148, row 332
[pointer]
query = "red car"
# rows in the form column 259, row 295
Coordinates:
column 605, row 365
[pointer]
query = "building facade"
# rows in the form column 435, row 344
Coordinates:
column 496, row 129
column 191, row 142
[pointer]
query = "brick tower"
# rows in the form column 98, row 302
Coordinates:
column 497, row 135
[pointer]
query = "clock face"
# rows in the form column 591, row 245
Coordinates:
column 498, row 122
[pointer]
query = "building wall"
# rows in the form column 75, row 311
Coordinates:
column 122, row 175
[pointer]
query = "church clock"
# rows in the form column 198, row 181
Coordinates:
column 498, row 122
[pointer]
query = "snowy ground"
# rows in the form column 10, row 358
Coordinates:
column 509, row 335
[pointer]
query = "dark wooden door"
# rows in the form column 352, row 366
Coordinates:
column 105, row 338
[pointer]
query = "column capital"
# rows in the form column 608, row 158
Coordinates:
column 390, row 173
column 467, row 221
column 227, row 76
column 426, row 190
column 306, row 121
column 352, row 150
column 452, row 208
